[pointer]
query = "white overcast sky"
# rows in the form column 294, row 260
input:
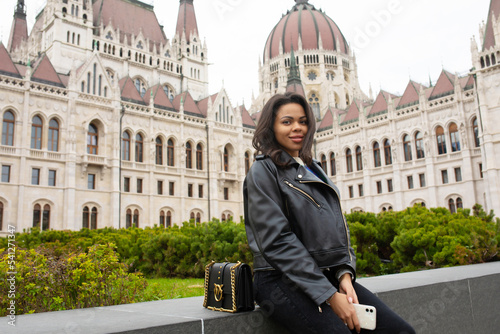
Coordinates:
column 394, row 40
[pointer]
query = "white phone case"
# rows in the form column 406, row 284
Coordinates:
column 367, row 316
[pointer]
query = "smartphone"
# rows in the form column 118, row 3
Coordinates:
column 367, row 316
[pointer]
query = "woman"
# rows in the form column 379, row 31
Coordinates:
column 304, row 265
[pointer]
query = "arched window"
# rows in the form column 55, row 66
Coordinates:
column 407, row 148
column 36, row 133
column 41, row 219
column 169, row 219
column 191, row 216
column 387, row 152
column 159, row 151
column 53, row 135
column 247, row 162
column 460, row 204
column 8, row 129
column 323, row 163
column 170, row 153
column 419, row 145
column 454, row 138
column 223, row 217
column 198, row 218
column 140, row 86
column 199, row 157
column 128, row 219
column 441, row 140
column 348, row 158
column 126, row 146
column 189, row 155
column 162, row 219
column 1, row 216
column 226, row 160
column 139, row 148
column 136, row 218
column 314, row 103
column 359, row 159
column 333, row 165
column 451, row 205
column 92, row 140
column 376, row 155
column 475, row 129
column 169, row 92
column 89, row 218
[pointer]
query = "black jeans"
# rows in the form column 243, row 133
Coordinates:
column 284, row 302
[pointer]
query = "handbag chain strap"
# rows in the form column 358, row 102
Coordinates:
column 207, row 276
column 233, row 283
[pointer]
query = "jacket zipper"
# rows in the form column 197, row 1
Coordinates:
column 340, row 206
column 302, row 192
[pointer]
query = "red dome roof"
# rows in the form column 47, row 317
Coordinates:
column 305, row 21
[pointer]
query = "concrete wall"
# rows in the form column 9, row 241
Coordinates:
column 449, row 300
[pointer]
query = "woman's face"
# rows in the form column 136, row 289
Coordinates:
column 290, row 128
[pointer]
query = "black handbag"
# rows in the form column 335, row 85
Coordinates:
column 228, row 287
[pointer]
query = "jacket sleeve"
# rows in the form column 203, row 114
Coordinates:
column 272, row 234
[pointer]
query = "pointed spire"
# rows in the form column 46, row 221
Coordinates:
column 19, row 29
column 294, row 83
column 186, row 20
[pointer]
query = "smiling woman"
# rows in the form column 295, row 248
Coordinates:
column 290, row 127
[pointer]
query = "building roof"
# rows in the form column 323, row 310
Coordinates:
column 7, row 66
column 44, row 72
column 128, row 91
column 353, row 112
column 246, row 119
column 489, row 34
column 160, row 98
column 186, row 20
column 131, row 17
column 304, row 21
column 381, row 103
column 190, row 106
column 411, row 95
column 328, row 118
column 203, row 104
column 19, row 29
column 444, row 86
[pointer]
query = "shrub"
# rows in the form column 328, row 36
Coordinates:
column 50, row 280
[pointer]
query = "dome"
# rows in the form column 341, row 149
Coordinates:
column 310, row 24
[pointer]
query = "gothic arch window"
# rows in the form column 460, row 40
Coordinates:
column 36, row 133
column 1, row 216
column 387, row 152
column 451, row 205
column 199, row 157
column 419, row 145
column 128, row 219
column 162, row 219
column 247, row 162
column 198, row 218
column 459, row 203
column 482, row 62
column 347, row 100
column 139, row 148
column 407, row 148
column 140, row 86
column 314, row 100
column 475, row 130
column 348, row 157
column 191, row 216
column 89, row 218
column 333, row 166
column 441, row 140
column 493, row 59
column 226, row 160
column 488, row 63
column 376, row 155
column 189, row 155
column 324, row 164
column 41, row 218
column 126, row 146
column 169, row 91
column 223, row 217
column 170, row 153
column 53, row 135
column 93, row 140
column 169, row 219
column 159, row 151
column 135, row 218
column 454, row 137
column 359, row 159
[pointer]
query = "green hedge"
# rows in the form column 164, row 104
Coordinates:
column 388, row 242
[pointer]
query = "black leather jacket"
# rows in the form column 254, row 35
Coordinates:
column 294, row 224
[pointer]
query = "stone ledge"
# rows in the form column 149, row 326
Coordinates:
column 449, row 300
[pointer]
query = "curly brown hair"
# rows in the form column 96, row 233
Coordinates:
column 264, row 139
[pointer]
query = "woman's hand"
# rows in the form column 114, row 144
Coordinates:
column 341, row 303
